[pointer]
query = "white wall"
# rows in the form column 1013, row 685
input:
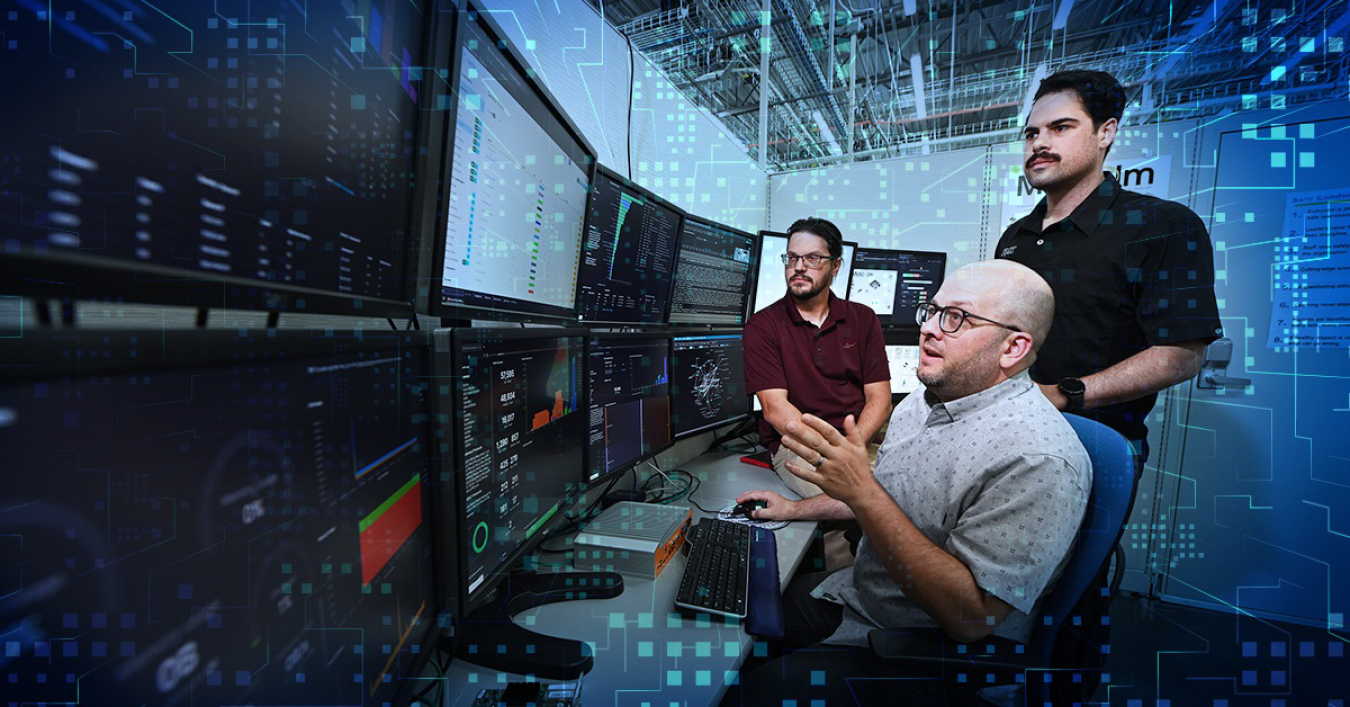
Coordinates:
column 933, row 202
column 687, row 156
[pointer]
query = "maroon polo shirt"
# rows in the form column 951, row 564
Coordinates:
column 823, row 369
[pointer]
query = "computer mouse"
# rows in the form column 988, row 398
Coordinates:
column 747, row 509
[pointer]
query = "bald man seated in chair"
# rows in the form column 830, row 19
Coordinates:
column 969, row 517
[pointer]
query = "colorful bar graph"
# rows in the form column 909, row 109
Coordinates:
column 386, row 528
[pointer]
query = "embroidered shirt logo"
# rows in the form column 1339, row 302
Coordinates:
column 1007, row 251
column 850, row 345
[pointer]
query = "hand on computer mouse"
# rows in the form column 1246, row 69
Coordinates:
column 774, row 507
column 747, row 509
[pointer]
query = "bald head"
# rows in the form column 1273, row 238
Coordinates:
column 1013, row 294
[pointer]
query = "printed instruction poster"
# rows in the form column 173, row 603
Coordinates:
column 1310, row 299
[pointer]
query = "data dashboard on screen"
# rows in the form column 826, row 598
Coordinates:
column 629, row 380
column 712, row 274
column 516, row 398
column 707, row 387
column 515, row 188
column 895, row 282
column 771, row 280
column 627, row 254
column 197, row 508
column 157, row 147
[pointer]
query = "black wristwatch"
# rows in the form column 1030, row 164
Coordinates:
column 1074, row 390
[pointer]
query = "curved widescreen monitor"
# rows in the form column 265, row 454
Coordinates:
column 515, row 186
column 707, row 387
column 515, row 404
column 209, row 158
column 627, row 254
column 712, row 274
column 770, row 283
column 213, row 517
column 629, row 383
column 895, row 282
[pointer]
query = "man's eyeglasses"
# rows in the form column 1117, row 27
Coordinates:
column 951, row 318
column 814, row 261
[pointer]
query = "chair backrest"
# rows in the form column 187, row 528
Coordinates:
column 1103, row 522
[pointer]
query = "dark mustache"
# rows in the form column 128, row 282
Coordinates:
column 1040, row 155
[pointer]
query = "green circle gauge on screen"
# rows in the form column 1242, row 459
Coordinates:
column 477, row 545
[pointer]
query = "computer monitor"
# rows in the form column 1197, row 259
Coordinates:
column 514, row 401
column 628, row 253
column 629, row 384
column 770, row 283
column 515, row 185
column 902, row 353
column 895, row 282
column 210, row 158
column 712, row 274
column 215, row 517
column 515, row 405
column 707, row 387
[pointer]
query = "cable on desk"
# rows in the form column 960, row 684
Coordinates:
column 742, row 430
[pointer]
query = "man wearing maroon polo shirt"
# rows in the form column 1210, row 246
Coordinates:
column 812, row 352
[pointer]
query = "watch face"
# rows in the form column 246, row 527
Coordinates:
column 1072, row 386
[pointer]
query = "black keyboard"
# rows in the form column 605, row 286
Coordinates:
column 717, row 574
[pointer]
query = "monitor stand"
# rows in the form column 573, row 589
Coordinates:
column 489, row 638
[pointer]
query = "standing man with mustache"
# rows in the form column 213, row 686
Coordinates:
column 1133, row 275
column 812, row 352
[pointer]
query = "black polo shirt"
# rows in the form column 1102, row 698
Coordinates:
column 1129, row 271
column 823, row 369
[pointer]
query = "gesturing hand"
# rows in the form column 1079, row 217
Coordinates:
column 839, row 461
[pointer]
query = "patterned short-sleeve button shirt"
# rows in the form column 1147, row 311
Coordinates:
column 998, row 479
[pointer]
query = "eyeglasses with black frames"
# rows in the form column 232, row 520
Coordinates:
column 951, row 318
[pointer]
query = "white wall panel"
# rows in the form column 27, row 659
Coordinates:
column 932, row 202
column 687, row 156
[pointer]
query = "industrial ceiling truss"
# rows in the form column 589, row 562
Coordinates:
column 870, row 79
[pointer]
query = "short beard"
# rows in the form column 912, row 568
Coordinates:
column 821, row 285
column 956, row 382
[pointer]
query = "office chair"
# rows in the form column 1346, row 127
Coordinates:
column 1061, row 663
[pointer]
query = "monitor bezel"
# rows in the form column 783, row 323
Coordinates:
column 602, row 170
column 75, row 277
column 451, row 480
column 606, row 477
column 702, row 334
column 429, row 300
column 745, row 289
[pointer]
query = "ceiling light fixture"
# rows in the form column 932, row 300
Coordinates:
column 916, row 76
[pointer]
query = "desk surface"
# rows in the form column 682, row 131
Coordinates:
column 645, row 652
